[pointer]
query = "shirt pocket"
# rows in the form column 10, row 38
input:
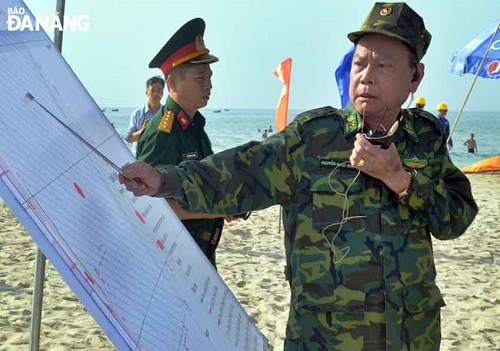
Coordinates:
column 321, row 297
column 417, row 299
column 333, row 195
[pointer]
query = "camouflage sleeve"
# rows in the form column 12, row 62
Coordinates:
column 252, row 176
column 446, row 201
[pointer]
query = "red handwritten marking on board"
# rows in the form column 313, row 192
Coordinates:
column 79, row 190
column 160, row 244
column 4, row 173
column 102, row 247
column 140, row 217
column 89, row 277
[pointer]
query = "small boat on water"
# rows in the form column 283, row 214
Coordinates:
column 217, row 111
column 114, row 109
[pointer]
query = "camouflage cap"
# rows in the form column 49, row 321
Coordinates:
column 397, row 20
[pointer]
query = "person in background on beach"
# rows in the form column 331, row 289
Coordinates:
column 177, row 131
column 471, row 144
column 420, row 102
column 141, row 116
column 358, row 217
column 264, row 135
column 442, row 109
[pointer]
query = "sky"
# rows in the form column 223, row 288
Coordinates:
column 251, row 38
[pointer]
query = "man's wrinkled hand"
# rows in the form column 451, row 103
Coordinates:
column 140, row 178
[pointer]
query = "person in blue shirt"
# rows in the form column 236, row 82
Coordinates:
column 141, row 116
column 442, row 109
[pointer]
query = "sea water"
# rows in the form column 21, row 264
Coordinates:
column 232, row 127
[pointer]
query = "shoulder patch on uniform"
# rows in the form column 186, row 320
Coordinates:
column 316, row 113
column 415, row 163
column 166, row 122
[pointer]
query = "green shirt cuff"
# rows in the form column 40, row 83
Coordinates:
column 171, row 185
column 421, row 191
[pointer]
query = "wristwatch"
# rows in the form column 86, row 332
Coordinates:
column 403, row 194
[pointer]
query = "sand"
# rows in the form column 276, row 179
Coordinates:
column 251, row 260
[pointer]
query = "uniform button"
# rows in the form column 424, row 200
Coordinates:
column 420, row 193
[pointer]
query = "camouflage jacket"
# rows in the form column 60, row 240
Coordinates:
column 305, row 168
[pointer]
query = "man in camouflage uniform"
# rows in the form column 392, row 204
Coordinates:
column 358, row 216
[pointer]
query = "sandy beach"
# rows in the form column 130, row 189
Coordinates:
column 251, row 260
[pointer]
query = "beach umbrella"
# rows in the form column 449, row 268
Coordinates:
column 480, row 57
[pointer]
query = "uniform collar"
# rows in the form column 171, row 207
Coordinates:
column 408, row 122
column 353, row 120
column 182, row 117
column 171, row 105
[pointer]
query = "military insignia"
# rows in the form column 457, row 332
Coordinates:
column 415, row 163
column 351, row 124
column 184, row 120
column 199, row 43
column 409, row 128
column 166, row 122
column 386, row 11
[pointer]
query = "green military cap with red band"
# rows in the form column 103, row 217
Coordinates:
column 186, row 45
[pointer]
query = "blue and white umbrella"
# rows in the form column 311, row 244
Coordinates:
column 482, row 55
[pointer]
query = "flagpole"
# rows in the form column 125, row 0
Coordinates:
column 474, row 81
column 37, row 304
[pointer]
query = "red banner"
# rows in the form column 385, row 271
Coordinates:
column 283, row 72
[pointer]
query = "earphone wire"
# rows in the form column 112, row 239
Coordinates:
column 345, row 209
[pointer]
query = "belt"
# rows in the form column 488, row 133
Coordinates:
column 210, row 237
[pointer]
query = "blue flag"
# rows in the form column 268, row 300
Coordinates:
column 469, row 58
column 342, row 76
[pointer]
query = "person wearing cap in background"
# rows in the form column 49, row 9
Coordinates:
column 141, row 116
column 176, row 132
column 420, row 102
column 358, row 213
column 442, row 110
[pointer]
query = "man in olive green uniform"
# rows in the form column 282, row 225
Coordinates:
column 358, row 212
column 176, row 132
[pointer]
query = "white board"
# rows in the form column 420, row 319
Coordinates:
column 129, row 260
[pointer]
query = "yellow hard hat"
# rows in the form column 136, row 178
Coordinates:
column 420, row 100
column 442, row 106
